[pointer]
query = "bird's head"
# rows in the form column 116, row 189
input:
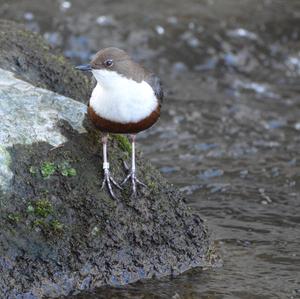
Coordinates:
column 107, row 64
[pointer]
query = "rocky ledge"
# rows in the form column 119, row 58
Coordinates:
column 59, row 233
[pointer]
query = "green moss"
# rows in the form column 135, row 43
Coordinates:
column 123, row 143
column 42, row 208
column 14, row 217
column 39, row 223
column 51, row 227
column 152, row 185
column 30, row 209
column 56, row 225
column 47, row 169
column 71, row 172
column 33, row 170
column 66, row 170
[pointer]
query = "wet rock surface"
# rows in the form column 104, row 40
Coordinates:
column 31, row 59
column 60, row 233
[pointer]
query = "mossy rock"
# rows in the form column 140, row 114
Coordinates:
column 60, row 233
column 32, row 59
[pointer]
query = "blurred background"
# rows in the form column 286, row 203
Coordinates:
column 229, row 132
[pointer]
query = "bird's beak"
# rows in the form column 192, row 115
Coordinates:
column 85, row 67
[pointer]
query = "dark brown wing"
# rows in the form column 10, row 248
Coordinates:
column 156, row 84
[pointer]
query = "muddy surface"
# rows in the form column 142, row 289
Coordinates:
column 229, row 134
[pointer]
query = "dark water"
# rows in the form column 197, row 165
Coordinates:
column 229, row 136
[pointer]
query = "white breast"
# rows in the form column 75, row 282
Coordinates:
column 119, row 99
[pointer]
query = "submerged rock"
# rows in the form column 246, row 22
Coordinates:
column 59, row 233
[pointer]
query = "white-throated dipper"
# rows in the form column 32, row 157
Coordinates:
column 126, row 100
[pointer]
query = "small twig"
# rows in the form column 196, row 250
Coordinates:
column 56, row 147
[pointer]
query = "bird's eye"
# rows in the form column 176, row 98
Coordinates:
column 108, row 62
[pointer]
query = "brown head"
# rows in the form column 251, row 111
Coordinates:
column 116, row 60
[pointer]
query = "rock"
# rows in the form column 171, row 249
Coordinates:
column 59, row 232
column 31, row 59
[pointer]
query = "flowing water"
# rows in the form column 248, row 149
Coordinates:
column 229, row 136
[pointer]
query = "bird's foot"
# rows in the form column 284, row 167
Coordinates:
column 134, row 180
column 109, row 181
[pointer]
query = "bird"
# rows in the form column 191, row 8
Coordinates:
column 127, row 99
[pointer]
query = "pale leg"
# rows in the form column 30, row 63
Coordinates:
column 132, row 171
column 108, row 179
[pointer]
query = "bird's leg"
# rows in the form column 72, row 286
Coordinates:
column 108, row 179
column 132, row 171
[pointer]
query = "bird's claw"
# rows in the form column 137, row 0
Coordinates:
column 134, row 181
column 125, row 165
column 109, row 181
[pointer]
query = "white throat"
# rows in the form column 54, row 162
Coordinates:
column 117, row 98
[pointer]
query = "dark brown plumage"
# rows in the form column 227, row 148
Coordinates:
column 108, row 126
